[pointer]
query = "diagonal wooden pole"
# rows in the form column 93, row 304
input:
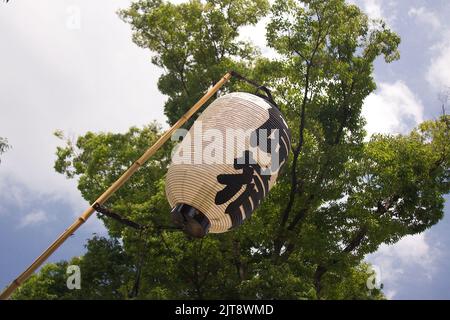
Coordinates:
column 110, row 191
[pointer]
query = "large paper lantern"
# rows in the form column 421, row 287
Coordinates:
column 227, row 163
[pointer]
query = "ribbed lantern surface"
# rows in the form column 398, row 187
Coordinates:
column 227, row 162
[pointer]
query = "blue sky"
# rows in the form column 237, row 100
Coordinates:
column 71, row 65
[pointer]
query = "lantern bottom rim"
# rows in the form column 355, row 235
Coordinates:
column 191, row 220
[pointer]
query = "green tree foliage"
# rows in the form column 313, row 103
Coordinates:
column 354, row 285
column 194, row 42
column 341, row 195
column 106, row 269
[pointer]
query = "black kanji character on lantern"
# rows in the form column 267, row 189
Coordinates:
column 256, row 187
column 253, row 179
column 278, row 146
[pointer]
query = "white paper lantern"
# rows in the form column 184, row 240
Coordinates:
column 227, row 163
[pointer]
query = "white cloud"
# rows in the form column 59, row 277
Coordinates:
column 257, row 35
column 378, row 9
column 410, row 259
column 394, row 108
column 373, row 8
column 410, row 248
column 390, row 294
column 55, row 75
column 33, row 218
column 425, row 16
column 438, row 73
column 11, row 193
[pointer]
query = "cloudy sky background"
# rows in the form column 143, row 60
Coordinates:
column 71, row 65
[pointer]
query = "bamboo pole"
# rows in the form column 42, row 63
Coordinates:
column 110, row 191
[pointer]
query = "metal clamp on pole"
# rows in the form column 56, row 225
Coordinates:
column 258, row 87
column 106, row 212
